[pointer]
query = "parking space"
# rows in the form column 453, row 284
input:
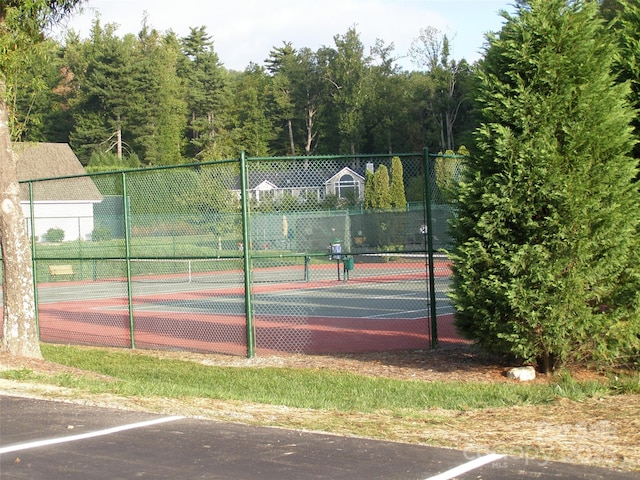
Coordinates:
column 51, row 440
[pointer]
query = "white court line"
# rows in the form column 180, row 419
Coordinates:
column 404, row 312
column 84, row 436
column 467, row 467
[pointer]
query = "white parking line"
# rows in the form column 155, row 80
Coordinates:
column 84, row 436
column 467, row 467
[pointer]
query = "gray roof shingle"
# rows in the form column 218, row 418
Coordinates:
column 51, row 160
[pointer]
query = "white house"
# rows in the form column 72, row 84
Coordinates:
column 345, row 183
column 65, row 204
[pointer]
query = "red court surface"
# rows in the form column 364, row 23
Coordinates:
column 205, row 317
column 96, row 323
column 106, row 322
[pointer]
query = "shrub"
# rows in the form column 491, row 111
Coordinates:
column 54, row 235
column 101, row 233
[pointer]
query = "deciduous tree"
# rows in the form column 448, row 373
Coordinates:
column 445, row 95
column 22, row 23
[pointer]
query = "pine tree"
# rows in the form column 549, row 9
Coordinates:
column 103, row 67
column 627, row 64
column 157, row 116
column 368, row 190
column 346, row 72
column 546, row 232
column 381, row 193
column 396, row 190
column 205, row 80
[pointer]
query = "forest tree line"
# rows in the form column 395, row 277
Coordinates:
column 158, row 99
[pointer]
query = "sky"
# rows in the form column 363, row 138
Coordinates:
column 245, row 31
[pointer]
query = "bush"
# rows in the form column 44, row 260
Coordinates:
column 101, row 234
column 54, row 235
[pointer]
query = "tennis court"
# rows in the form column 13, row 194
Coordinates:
column 250, row 269
column 295, row 308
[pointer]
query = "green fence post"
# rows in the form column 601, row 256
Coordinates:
column 432, row 280
column 246, row 250
column 127, row 243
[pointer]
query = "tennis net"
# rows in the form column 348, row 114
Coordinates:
column 205, row 270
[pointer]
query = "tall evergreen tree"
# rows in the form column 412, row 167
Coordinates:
column 205, row 80
column 281, row 60
column 627, row 64
column 105, row 73
column 396, row 189
column 546, row 237
column 157, row 111
column 345, row 71
column 253, row 130
column 128, row 85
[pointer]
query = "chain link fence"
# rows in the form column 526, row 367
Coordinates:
column 248, row 256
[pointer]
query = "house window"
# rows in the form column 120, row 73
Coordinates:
column 347, row 187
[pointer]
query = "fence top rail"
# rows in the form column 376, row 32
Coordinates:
column 132, row 170
column 233, row 161
column 447, row 155
column 334, row 157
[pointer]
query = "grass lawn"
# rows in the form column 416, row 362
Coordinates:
column 554, row 419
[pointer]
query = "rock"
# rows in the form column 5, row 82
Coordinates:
column 522, row 374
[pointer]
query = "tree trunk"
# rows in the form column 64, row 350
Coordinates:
column 443, row 143
column 545, row 363
column 292, row 145
column 309, row 121
column 20, row 332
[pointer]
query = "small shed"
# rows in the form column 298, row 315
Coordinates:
column 65, row 203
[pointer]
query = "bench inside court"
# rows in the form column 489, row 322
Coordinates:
column 61, row 271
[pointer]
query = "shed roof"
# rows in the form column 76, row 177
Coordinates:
column 51, row 160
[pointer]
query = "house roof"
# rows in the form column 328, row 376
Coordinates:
column 345, row 171
column 284, row 179
column 51, row 160
column 287, row 179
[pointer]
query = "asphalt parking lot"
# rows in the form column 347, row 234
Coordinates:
column 52, row 440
